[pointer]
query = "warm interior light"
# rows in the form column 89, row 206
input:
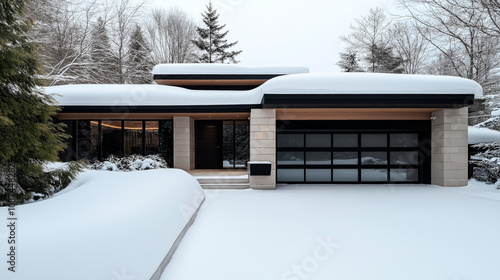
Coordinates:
column 110, row 125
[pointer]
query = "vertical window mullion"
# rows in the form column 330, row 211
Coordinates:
column 359, row 157
column 234, row 144
column 143, row 138
column 99, row 143
column 77, row 146
column 388, row 157
column 123, row 137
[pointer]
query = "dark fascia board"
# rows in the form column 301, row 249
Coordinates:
column 367, row 100
column 214, row 76
column 160, row 109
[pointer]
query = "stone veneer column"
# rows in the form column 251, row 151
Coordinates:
column 184, row 143
column 263, row 145
column 449, row 148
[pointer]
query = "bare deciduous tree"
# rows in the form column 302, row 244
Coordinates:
column 122, row 22
column 169, row 35
column 410, row 46
column 367, row 32
column 454, row 29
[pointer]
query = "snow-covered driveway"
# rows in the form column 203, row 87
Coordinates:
column 342, row 232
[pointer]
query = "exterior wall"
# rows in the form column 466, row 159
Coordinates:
column 449, row 148
column 184, row 143
column 263, row 145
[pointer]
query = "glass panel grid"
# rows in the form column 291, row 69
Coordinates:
column 377, row 157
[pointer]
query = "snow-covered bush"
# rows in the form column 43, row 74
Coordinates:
column 488, row 167
column 131, row 163
column 35, row 183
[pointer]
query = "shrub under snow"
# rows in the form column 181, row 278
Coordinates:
column 488, row 168
column 130, row 163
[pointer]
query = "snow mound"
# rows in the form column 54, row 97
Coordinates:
column 232, row 69
column 496, row 113
column 370, row 83
column 112, row 225
column 483, row 135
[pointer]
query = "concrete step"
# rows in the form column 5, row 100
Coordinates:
column 226, row 186
column 222, row 180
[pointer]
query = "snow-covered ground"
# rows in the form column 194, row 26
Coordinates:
column 120, row 225
column 344, row 232
column 105, row 225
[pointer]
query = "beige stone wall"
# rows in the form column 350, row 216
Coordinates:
column 263, row 145
column 184, row 143
column 449, row 147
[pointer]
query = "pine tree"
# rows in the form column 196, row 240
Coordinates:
column 104, row 67
column 211, row 42
column 27, row 134
column 349, row 61
column 381, row 60
column 139, row 63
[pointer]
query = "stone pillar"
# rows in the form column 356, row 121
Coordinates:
column 184, row 143
column 449, row 148
column 263, row 145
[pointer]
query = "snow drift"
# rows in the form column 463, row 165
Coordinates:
column 105, row 225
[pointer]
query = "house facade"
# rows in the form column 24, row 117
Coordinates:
column 310, row 128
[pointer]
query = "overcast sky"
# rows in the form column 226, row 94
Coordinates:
column 292, row 32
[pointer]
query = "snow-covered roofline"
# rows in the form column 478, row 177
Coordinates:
column 294, row 84
column 221, row 69
column 370, row 83
column 147, row 95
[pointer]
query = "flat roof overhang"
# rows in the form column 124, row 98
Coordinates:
column 219, row 112
column 160, row 109
column 213, row 81
column 367, row 100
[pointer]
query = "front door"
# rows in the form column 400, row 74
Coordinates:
column 208, row 144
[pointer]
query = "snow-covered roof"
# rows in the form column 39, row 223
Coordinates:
column 221, row 69
column 370, row 83
column 300, row 84
column 483, row 135
column 147, row 95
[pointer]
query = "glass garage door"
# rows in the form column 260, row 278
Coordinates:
column 369, row 156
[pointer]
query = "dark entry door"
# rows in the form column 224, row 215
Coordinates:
column 208, row 145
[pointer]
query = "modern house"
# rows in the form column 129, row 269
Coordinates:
column 311, row 128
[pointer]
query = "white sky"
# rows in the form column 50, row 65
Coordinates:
column 290, row 32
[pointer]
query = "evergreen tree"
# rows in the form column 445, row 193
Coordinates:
column 27, row 134
column 381, row 60
column 103, row 67
column 139, row 63
column 211, row 42
column 349, row 61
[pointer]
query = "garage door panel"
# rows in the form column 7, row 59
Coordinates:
column 340, row 154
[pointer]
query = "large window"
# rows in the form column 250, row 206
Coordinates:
column 133, row 132
column 235, row 144
column 96, row 140
column 111, row 138
column 353, row 152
